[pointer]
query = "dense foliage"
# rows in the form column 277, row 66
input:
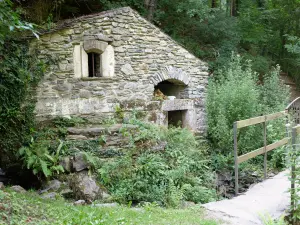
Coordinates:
column 236, row 94
column 167, row 176
column 19, row 73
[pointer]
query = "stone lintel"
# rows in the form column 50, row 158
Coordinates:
column 94, row 46
column 177, row 104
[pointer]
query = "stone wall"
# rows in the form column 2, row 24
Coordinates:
column 143, row 56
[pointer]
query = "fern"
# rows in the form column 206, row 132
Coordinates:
column 36, row 156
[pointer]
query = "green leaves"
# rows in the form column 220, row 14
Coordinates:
column 159, row 176
column 235, row 95
column 36, row 157
column 10, row 21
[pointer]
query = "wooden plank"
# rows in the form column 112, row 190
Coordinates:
column 259, row 119
column 278, row 144
column 250, row 155
column 265, row 150
column 251, row 121
column 275, row 115
column 236, row 164
column 260, row 151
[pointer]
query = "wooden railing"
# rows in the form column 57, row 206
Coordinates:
column 293, row 159
column 263, row 150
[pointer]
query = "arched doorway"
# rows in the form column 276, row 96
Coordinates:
column 172, row 81
column 172, row 87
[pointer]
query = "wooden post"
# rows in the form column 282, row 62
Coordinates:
column 236, row 165
column 293, row 175
column 265, row 148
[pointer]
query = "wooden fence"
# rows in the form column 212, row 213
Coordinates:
column 263, row 150
column 293, row 160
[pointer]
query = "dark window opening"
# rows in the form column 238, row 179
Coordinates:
column 94, row 64
column 175, row 118
column 171, row 88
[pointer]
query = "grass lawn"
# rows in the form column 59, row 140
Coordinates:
column 29, row 208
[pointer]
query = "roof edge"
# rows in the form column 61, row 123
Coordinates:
column 69, row 22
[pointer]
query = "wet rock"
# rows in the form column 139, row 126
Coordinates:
column 53, row 185
column 67, row 193
column 159, row 147
column 2, row 173
column 91, row 131
column 105, row 196
column 76, row 137
column 84, row 187
column 3, row 177
column 79, row 162
column 79, row 202
column 51, row 195
column 18, row 189
column 66, row 164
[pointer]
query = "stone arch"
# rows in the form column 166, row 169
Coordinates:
column 94, row 46
column 170, row 73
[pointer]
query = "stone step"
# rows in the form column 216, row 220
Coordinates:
column 94, row 131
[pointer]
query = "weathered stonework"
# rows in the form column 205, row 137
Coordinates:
column 137, row 56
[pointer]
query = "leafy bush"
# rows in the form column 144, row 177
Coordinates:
column 37, row 157
column 231, row 97
column 19, row 74
column 166, row 176
column 235, row 94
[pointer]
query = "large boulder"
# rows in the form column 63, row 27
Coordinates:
column 18, row 189
column 66, row 163
column 51, row 195
column 52, row 185
column 84, row 186
column 79, row 162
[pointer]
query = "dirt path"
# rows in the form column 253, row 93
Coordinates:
column 268, row 197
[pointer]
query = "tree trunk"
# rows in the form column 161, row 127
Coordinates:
column 214, row 4
column 150, row 6
column 233, row 8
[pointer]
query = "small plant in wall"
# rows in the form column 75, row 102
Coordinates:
column 159, row 96
column 37, row 157
column 119, row 112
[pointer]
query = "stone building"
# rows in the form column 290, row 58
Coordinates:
column 115, row 60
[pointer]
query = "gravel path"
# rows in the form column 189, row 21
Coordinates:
column 268, row 197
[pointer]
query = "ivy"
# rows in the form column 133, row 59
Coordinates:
column 19, row 74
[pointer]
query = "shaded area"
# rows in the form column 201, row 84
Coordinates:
column 172, row 88
column 175, row 118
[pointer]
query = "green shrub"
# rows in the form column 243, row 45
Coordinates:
column 19, row 74
column 38, row 158
column 235, row 94
column 144, row 174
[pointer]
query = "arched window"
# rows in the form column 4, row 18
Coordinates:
column 93, row 58
column 94, row 63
